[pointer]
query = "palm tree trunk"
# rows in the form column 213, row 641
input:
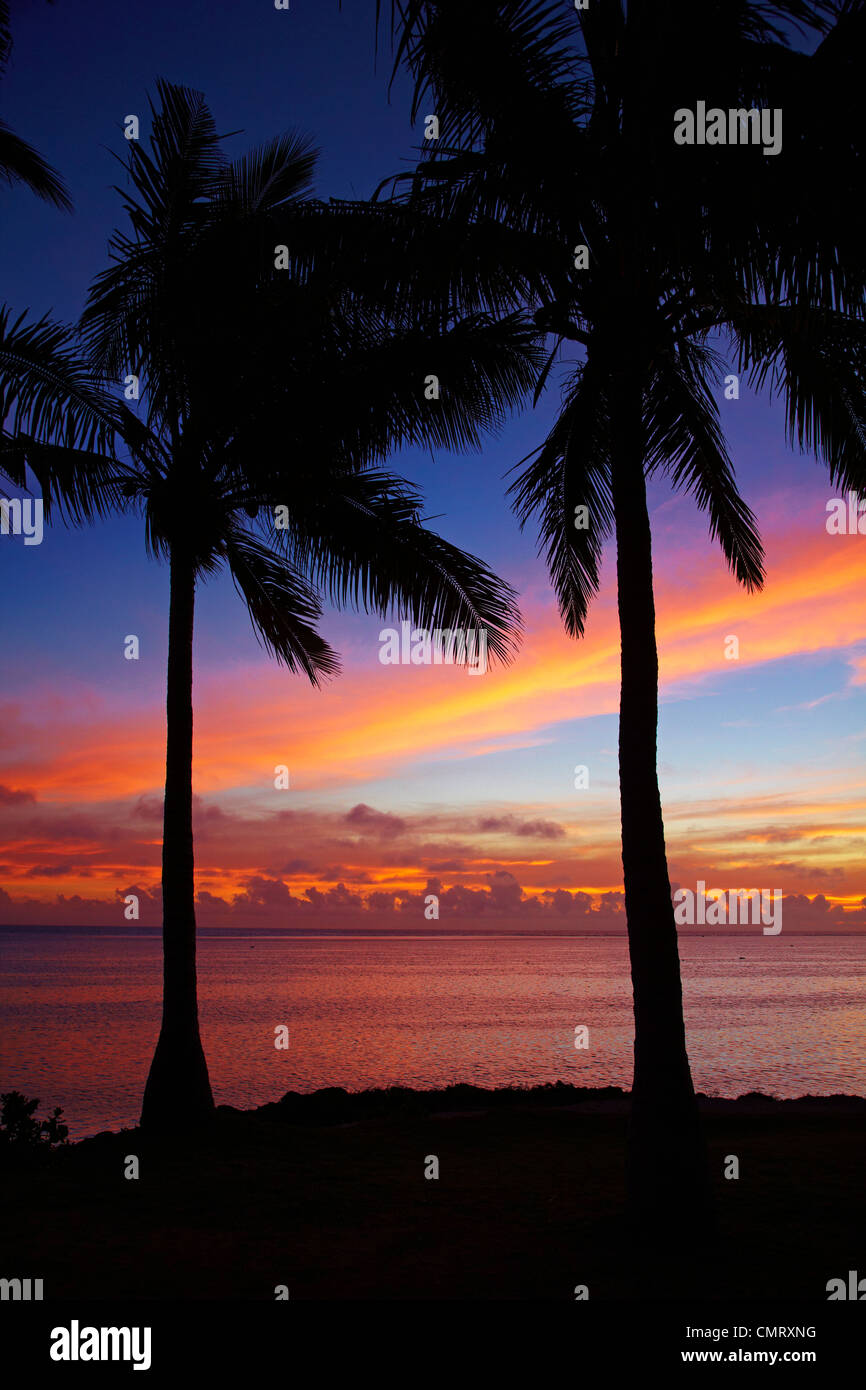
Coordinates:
column 666, row 1166
column 178, row 1088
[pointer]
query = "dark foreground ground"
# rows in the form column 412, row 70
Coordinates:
column 326, row 1194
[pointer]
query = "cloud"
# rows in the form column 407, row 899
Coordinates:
column 74, row 910
column 297, row 866
column 538, row 829
column 793, row 866
column 369, row 822
column 8, row 797
column 541, row 829
column 246, row 858
column 58, row 871
column 502, row 903
column 339, row 899
column 334, row 872
column 804, row 914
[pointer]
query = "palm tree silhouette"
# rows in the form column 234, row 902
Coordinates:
column 20, row 162
column 264, row 388
column 556, row 132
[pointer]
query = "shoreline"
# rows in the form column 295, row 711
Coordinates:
column 334, row 1106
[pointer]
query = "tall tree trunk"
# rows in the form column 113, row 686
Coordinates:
column 178, row 1088
column 666, row 1166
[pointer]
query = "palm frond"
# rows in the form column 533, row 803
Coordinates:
column 136, row 309
column 275, row 173
column 814, row 359
column 469, row 57
column 353, row 388
column 282, row 606
column 47, row 390
column 571, row 469
column 21, row 163
column 186, row 164
column 684, row 438
column 77, row 484
column 361, row 543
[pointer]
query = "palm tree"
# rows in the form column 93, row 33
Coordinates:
column 556, row 131
column 264, row 388
column 20, row 162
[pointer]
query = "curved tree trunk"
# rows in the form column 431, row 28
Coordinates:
column 666, row 1167
column 178, row 1088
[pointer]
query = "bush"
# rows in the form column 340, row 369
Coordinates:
column 19, row 1128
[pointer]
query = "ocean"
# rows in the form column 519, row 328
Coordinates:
column 80, row 1014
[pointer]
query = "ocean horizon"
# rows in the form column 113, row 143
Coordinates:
column 121, row 931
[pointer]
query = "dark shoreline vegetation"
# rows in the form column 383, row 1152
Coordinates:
column 325, row 1193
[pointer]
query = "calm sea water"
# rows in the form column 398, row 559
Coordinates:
column 81, row 1015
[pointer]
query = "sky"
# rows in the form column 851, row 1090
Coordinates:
column 403, row 780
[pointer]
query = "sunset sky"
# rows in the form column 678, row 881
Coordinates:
column 404, row 780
